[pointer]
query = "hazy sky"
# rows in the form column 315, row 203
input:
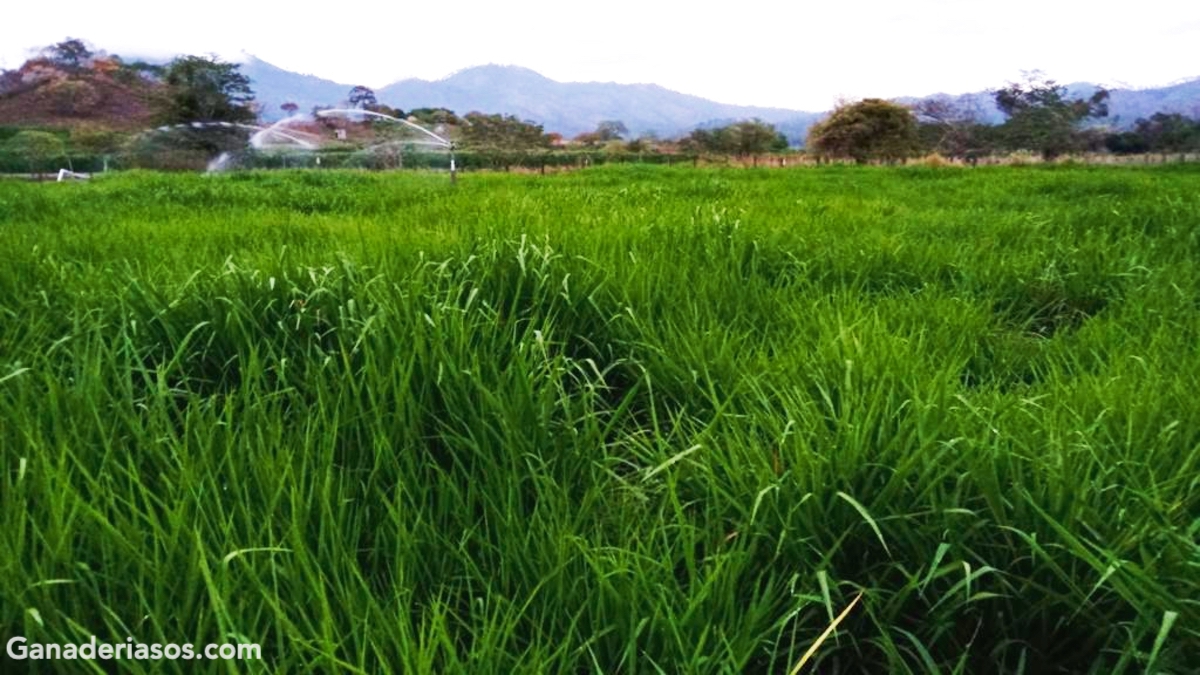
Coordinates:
column 795, row 55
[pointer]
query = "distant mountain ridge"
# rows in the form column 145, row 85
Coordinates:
column 569, row 108
column 1125, row 105
column 274, row 86
column 574, row 107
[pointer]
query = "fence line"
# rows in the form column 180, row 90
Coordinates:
column 523, row 162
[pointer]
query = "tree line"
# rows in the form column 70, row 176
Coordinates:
column 1040, row 116
column 206, row 89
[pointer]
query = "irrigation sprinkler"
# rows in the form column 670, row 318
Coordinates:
column 281, row 137
column 431, row 140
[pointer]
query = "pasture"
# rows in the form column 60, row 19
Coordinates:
column 621, row 420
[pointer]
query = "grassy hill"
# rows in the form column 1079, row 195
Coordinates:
column 104, row 93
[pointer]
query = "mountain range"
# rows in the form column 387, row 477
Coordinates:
column 574, row 107
column 1125, row 106
column 568, row 108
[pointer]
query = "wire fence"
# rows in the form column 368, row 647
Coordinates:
column 13, row 163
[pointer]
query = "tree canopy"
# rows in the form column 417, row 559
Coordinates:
column 434, row 116
column 502, row 132
column 952, row 128
column 868, row 129
column 1041, row 116
column 205, row 89
column 37, row 147
column 1161, row 132
column 748, row 137
column 70, row 53
column 362, row 97
column 611, row 130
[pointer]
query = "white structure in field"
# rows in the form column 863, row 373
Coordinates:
column 65, row 173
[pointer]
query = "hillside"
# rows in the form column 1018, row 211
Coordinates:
column 1125, row 105
column 1130, row 104
column 274, row 86
column 571, row 107
column 566, row 107
column 103, row 93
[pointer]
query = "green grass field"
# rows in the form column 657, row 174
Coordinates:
column 627, row 420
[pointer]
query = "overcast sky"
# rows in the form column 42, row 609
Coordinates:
column 794, row 55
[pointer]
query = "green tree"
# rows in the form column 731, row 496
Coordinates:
column 504, row 139
column 96, row 140
column 699, row 141
column 869, row 129
column 502, row 133
column 745, row 138
column 205, row 89
column 752, row 137
column 1168, row 132
column 137, row 72
column 1126, row 143
column 38, row 148
column 434, row 116
column 611, row 130
column 362, row 97
column 950, row 127
column 388, row 110
column 1042, row 118
column 71, row 53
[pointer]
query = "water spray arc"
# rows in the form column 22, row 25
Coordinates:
column 352, row 112
column 257, row 139
column 280, row 136
column 434, row 139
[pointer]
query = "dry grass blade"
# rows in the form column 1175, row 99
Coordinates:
column 824, row 636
